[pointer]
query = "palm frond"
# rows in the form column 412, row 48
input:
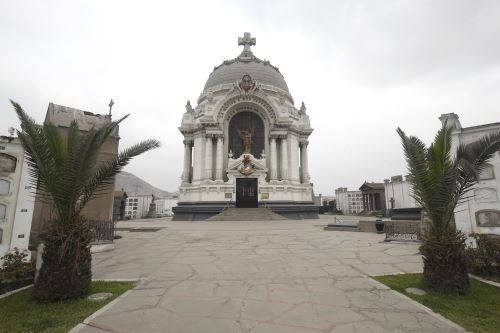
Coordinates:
column 440, row 183
column 104, row 176
column 65, row 168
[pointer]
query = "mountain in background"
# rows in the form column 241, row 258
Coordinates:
column 135, row 186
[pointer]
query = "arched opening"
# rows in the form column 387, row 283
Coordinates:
column 246, row 131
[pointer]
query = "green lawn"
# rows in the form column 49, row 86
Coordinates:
column 18, row 314
column 478, row 312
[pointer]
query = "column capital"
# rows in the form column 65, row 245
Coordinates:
column 188, row 141
column 304, row 143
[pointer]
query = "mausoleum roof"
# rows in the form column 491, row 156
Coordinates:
column 231, row 71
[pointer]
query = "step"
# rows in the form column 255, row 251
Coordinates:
column 341, row 227
column 246, row 214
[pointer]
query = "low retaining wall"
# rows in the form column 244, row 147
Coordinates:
column 367, row 226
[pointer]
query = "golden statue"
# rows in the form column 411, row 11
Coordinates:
column 246, row 137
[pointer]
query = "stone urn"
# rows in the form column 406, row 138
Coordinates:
column 379, row 226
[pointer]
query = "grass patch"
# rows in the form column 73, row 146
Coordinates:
column 478, row 312
column 21, row 315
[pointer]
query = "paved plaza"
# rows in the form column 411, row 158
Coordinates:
column 266, row 276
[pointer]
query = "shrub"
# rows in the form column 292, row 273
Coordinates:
column 16, row 271
column 484, row 260
column 15, row 266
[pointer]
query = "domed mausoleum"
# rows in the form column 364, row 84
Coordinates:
column 245, row 143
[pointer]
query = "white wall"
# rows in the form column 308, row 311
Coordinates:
column 400, row 191
column 16, row 225
column 486, row 194
column 24, row 211
column 164, row 206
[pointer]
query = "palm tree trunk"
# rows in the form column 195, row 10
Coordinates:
column 445, row 261
column 66, row 268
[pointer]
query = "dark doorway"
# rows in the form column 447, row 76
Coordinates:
column 246, row 193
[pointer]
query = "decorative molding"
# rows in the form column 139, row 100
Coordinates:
column 223, row 111
column 214, row 135
column 247, row 84
column 303, row 142
column 210, row 97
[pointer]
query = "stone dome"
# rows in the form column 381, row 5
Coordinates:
column 231, row 71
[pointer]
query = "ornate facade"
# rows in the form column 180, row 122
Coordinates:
column 245, row 143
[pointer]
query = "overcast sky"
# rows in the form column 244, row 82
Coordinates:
column 363, row 68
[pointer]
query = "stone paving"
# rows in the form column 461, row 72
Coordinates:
column 266, row 276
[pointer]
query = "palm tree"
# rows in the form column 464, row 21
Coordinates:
column 68, row 175
column 440, row 183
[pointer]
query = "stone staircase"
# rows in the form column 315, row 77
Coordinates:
column 246, row 214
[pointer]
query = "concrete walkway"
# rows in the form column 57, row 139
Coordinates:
column 266, row 276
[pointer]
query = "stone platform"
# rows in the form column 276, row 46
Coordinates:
column 259, row 277
column 199, row 211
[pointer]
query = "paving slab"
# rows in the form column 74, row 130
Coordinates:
column 258, row 276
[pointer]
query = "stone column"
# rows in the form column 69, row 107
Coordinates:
column 274, row 159
column 284, row 159
column 199, row 145
column 208, row 158
column 304, row 162
column 293, row 159
column 187, row 161
column 219, row 174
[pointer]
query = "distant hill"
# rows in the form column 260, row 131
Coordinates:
column 134, row 186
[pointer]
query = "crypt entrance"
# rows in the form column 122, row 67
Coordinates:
column 246, row 193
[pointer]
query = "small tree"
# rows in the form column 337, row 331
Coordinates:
column 440, row 183
column 67, row 174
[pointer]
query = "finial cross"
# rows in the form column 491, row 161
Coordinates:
column 111, row 103
column 246, row 41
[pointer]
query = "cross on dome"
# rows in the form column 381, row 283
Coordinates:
column 246, row 41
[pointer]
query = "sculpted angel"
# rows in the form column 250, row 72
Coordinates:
column 246, row 137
